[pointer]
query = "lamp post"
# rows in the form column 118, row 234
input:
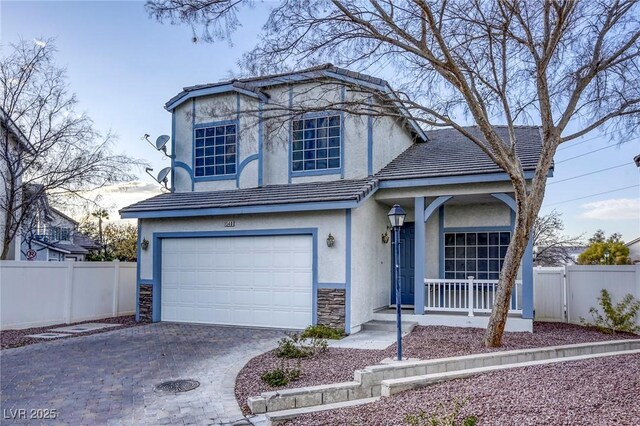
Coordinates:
column 396, row 218
column 606, row 256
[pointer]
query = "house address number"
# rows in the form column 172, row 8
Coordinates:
column 229, row 223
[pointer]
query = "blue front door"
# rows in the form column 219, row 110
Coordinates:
column 407, row 265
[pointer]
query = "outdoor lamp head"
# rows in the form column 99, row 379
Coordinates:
column 396, row 216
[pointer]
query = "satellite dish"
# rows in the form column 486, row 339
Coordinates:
column 162, row 176
column 161, row 142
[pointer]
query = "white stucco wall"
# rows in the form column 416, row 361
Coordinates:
column 390, row 136
column 390, row 139
column 331, row 261
column 487, row 214
column 370, row 261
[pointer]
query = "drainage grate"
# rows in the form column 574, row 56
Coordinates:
column 175, row 386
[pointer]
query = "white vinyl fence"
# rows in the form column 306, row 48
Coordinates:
column 34, row 294
column 567, row 293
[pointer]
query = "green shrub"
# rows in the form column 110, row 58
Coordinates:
column 280, row 376
column 620, row 317
column 295, row 346
column 321, row 331
column 442, row 416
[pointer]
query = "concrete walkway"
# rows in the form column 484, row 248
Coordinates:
column 366, row 339
column 109, row 378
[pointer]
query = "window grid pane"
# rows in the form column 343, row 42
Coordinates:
column 316, row 144
column 477, row 254
column 215, row 150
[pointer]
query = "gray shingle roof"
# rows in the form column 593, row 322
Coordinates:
column 340, row 190
column 449, row 153
column 276, row 79
column 71, row 248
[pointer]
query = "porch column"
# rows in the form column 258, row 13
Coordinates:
column 420, row 229
column 527, row 264
column 527, row 281
column 422, row 215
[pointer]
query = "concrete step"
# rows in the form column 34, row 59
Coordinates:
column 394, row 386
column 277, row 417
column 378, row 325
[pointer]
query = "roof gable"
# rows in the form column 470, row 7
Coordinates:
column 14, row 130
column 253, row 87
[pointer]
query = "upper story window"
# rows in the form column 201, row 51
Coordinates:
column 316, row 144
column 480, row 254
column 59, row 233
column 215, row 150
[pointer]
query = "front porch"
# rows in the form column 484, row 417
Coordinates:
column 460, row 303
column 452, row 252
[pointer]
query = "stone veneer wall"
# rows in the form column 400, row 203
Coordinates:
column 331, row 304
column 146, row 302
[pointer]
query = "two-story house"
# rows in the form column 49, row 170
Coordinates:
column 50, row 235
column 285, row 225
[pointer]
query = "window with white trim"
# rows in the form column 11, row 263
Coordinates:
column 316, row 144
column 215, row 150
column 480, row 254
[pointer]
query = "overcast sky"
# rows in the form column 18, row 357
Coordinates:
column 124, row 66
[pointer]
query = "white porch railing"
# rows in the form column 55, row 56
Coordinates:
column 470, row 296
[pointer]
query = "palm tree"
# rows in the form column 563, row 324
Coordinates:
column 101, row 214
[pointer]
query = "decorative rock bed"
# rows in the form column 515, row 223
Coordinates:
column 338, row 365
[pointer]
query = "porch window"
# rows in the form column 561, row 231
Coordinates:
column 316, row 144
column 215, row 150
column 480, row 254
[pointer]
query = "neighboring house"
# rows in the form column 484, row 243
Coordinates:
column 634, row 250
column 12, row 143
column 282, row 226
column 51, row 235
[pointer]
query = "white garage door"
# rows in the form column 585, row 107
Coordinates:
column 261, row 281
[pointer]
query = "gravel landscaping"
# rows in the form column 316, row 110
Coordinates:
column 16, row 338
column 338, row 365
column 443, row 342
column 334, row 365
column 601, row 391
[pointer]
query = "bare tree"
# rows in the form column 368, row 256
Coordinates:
column 66, row 156
column 569, row 66
column 553, row 247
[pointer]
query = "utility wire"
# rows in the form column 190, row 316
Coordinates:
column 589, row 152
column 586, row 153
column 580, row 142
column 593, row 195
column 590, row 173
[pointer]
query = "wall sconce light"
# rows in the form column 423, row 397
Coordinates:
column 385, row 236
column 144, row 244
column 331, row 240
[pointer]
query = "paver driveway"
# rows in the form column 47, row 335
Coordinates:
column 109, row 378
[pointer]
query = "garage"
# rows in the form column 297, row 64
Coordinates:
column 258, row 281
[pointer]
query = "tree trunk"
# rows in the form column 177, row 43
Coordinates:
column 512, row 260
column 8, row 235
column 5, row 247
